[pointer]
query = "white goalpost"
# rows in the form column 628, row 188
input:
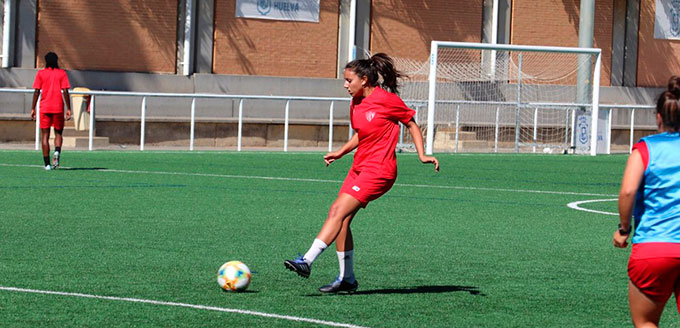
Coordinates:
column 512, row 98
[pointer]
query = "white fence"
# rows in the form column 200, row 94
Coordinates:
column 331, row 100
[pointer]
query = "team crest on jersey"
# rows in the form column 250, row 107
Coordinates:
column 370, row 116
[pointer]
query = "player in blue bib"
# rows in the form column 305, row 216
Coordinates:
column 650, row 191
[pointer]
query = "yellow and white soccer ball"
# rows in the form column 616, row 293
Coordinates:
column 233, row 276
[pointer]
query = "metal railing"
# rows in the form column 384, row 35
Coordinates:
column 288, row 99
column 193, row 97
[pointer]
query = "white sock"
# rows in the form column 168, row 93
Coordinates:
column 346, row 263
column 318, row 246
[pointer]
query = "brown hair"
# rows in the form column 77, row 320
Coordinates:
column 378, row 66
column 668, row 105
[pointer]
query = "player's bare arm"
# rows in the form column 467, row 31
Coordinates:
column 346, row 148
column 67, row 99
column 632, row 176
column 36, row 95
column 417, row 136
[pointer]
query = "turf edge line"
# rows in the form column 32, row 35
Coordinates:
column 193, row 306
column 231, row 176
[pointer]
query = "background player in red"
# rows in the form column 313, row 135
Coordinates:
column 375, row 112
column 51, row 81
column 651, row 189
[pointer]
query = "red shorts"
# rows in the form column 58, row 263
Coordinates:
column 365, row 186
column 48, row 120
column 657, row 277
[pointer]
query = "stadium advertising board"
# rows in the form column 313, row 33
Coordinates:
column 667, row 20
column 290, row 10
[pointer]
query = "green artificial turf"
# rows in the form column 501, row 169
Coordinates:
column 487, row 242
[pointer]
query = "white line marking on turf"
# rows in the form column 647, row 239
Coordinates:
column 193, row 306
column 230, row 176
column 575, row 205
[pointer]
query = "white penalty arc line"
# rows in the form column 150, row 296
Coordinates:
column 185, row 305
column 576, row 206
column 231, row 176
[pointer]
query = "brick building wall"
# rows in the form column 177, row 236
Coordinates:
column 121, row 35
column 276, row 48
column 555, row 23
column 405, row 28
column 657, row 59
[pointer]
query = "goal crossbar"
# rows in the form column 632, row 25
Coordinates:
column 432, row 77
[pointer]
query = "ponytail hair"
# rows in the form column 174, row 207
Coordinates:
column 379, row 66
column 668, row 105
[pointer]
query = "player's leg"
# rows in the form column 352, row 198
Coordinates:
column 341, row 209
column 45, row 142
column 58, row 140
column 58, row 124
column 344, row 245
column 644, row 311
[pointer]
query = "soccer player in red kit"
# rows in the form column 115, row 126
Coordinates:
column 51, row 81
column 375, row 112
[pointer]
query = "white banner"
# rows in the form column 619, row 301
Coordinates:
column 667, row 20
column 291, row 10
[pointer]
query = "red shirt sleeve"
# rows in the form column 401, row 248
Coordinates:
column 644, row 152
column 397, row 110
column 37, row 84
column 63, row 83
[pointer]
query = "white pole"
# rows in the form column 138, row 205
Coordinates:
column 431, row 97
column 632, row 129
column 7, row 32
column 37, row 124
column 330, row 128
column 240, row 124
column 143, row 125
column 457, row 116
column 609, row 131
column 193, row 123
column 285, row 127
column 596, row 105
column 91, row 132
column 351, row 131
column 188, row 40
column 494, row 35
column 352, row 31
column 535, row 127
column 495, row 142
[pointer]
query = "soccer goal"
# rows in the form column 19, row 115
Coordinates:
column 511, row 98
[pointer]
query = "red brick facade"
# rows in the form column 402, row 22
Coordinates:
column 405, row 28
column 276, row 48
column 121, row 35
column 141, row 35
column 555, row 23
column 657, row 59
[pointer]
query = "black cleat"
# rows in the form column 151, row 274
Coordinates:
column 298, row 266
column 340, row 286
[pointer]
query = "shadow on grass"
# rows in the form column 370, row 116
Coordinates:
column 417, row 290
column 81, row 168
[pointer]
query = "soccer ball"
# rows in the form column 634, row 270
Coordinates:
column 233, row 276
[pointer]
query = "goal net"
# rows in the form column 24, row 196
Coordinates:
column 506, row 98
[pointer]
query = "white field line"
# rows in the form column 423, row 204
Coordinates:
column 185, row 305
column 575, row 205
column 230, row 176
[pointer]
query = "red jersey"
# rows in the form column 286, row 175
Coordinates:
column 51, row 81
column 376, row 120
